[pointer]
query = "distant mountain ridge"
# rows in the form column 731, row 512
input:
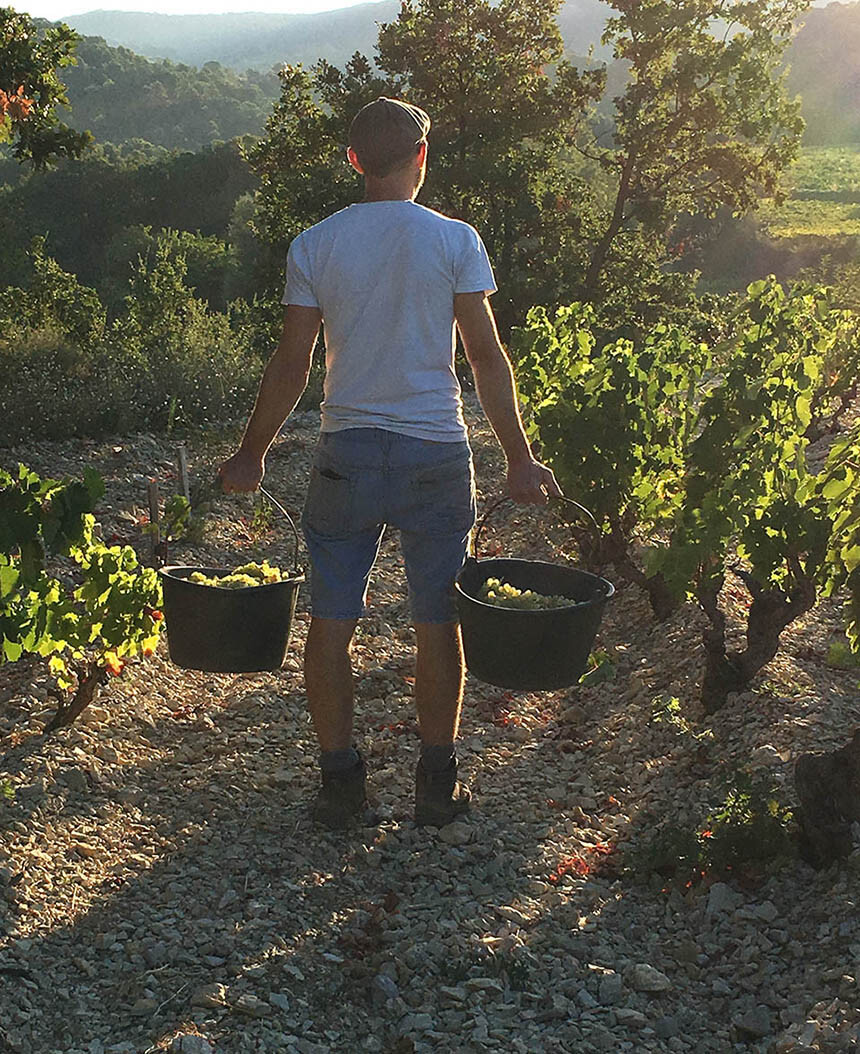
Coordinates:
column 242, row 41
column 261, row 41
column 824, row 68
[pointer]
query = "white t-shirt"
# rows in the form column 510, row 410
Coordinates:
column 384, row 274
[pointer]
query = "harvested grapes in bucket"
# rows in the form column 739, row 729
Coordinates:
column 504, row 595
column 240, row 577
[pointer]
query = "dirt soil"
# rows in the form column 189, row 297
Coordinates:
column 163, row 888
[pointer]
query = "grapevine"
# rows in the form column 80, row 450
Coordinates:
column 614, row 422
column 695, row 461
column 84, row 607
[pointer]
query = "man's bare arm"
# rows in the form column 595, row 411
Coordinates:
column 284, row 380
column 528, row 480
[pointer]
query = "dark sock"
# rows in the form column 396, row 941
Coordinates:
column 339, row 760
column 437, row 758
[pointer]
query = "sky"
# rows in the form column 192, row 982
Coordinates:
column 58, row 9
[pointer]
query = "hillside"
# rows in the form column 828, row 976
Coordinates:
column 825, row 70
column 260, row 41
column 119, row 95
column 161, row 876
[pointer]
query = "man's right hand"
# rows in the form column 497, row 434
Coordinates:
column 241, row 473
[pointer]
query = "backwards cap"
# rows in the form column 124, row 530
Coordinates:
column 386, row 133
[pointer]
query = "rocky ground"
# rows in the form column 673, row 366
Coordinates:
column 162, row 887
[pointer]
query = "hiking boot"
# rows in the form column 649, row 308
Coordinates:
column 439, row 796
column 342, row 798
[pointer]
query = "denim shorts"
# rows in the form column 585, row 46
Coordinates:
column 364, row 479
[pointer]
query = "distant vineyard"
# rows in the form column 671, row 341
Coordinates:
column 823, row 188
column 826, row 168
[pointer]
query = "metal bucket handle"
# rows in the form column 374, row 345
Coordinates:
column 500, row 501
column 289, row 520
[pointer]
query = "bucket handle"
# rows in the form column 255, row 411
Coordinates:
column 500, row 501
column 289, row 520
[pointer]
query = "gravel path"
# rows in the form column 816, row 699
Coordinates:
column 161, row 886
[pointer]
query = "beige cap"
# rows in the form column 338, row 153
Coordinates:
column 386, row 133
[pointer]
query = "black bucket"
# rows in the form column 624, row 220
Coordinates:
column 529, row 650
column 229, row 630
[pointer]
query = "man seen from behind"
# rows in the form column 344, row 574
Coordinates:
column 390, row 280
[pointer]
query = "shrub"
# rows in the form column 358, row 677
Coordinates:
column 55, row 388
column 751, row 830
column 86, row 621
column 165, row 361
column 194, row 371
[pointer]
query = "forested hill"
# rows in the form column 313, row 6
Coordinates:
column 261, row 41
column 118, row 96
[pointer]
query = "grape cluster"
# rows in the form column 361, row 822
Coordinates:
column 241, row 577
column 504, row 595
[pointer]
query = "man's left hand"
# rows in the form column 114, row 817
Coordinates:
column 531, row 483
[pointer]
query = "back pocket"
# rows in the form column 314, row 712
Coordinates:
column 329, row 504
column 445, row 494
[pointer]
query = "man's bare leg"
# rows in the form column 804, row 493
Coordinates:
column 439, row 797
column 328, row 681
column 439, row 675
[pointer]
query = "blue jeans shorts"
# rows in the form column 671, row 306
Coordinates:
column 364, row 479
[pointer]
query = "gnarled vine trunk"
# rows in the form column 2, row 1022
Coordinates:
column 770, row 612
column 90, row 679
column 614, row 549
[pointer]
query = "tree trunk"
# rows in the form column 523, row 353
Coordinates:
column 722, row 675
column 663, row 602
column 601, row 250
column 90, row 679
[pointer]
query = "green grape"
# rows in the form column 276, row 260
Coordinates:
column 263, row 572
column 243, row 577
column 235, row 581
column 503, row 594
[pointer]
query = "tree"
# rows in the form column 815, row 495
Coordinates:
column 503, row 131
column 87, row 208
column 31, row 91
column 703, row 122
column 502, row 127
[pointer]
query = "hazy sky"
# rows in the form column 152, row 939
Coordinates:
column 57, row 9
